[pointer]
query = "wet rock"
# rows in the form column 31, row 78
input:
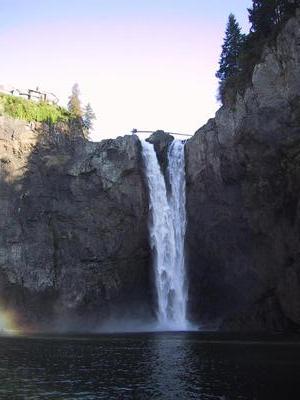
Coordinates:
column 161, row 141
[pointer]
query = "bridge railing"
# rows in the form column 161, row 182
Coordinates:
column 136, row 132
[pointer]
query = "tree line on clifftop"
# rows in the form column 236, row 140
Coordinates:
column 241, row 52
column 85, row 116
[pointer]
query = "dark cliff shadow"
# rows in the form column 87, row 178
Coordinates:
column 243, row 224
column 74, row 244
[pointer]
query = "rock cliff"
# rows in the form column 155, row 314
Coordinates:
column 74, row 246
column 243, row 181
column 73, row 214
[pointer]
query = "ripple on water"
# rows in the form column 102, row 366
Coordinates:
column 147, row 366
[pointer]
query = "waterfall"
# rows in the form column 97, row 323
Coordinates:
column 176, row 172
column 167, row 232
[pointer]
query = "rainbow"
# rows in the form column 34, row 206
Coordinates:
column 8, row 324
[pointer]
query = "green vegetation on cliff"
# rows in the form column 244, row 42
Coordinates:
column 240, row 53
column 42, row 111
column 29, row 110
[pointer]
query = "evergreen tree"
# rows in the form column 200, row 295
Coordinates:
column 88, row 117
column 265, row 14
column 231, row 48
column 262, row 16
column 74, row 105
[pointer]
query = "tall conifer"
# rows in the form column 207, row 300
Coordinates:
column 88, row 117
column 231, row 48
column 264, row 14
column 74, row 104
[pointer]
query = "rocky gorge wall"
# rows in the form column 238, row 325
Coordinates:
column 74, row 240
column 243, row 181
column 74, row 245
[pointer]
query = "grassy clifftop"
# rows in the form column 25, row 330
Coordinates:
column 29, row 110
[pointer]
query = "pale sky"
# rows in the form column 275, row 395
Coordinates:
column 145, row 64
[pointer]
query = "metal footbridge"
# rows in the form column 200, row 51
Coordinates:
column 136, row 131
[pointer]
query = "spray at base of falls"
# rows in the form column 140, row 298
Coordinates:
column 167, row 233
column 8, row 325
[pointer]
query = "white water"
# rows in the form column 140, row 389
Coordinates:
column 167, row 232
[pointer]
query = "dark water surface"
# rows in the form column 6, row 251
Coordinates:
column 149, row 366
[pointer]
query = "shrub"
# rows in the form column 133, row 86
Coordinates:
column 28, row 110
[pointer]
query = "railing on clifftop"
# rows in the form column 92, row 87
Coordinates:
column 135, row 131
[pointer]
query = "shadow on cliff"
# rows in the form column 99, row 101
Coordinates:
column 243, row 223
column 74, row 243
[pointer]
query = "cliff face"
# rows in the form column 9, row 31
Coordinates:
column 243, row 181
column 73, row 215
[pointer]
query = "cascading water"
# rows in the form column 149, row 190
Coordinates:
column 167, row 233
column 177, row 200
